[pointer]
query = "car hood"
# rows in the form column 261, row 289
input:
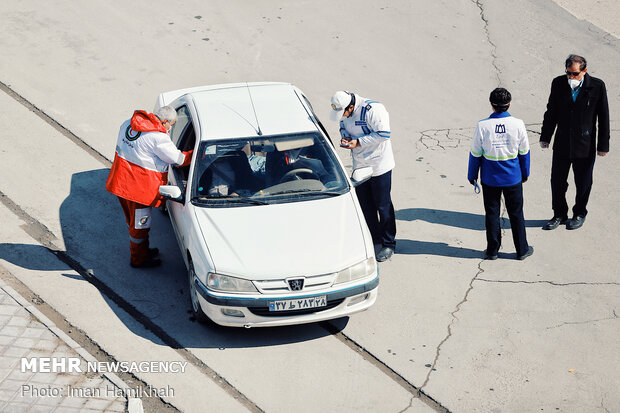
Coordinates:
column 275, row 241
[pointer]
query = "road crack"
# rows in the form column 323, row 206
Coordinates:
column 410, row 404
column 454, row 318
column 487, row 33
column 442, row 139
column 568, row 323
column 528, row 127
column 417, row 393
column 603, row 406
column 557, row 284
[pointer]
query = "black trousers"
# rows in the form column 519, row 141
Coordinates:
column 376, row 202
column 582, row 172
column 513, row 195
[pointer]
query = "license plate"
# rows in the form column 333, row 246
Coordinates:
column 298, row 303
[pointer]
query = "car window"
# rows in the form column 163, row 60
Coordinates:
column 269, row 169
column 188, row 138
column 184, row 137
column 317, row 119
column 180, row 126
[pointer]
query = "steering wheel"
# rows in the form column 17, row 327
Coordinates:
column 295, row 175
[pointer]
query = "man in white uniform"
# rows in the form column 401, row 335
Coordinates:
column 365, row 130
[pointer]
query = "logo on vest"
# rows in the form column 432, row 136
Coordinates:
column 499, row 128
column 131, row 135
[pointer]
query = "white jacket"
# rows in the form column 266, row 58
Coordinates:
column 143, row 153
column 370, row 125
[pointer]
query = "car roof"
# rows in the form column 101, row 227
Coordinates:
column 250, row 109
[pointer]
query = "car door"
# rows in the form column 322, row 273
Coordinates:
column 183, row 135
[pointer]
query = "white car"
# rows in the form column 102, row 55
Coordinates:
column 266, row 218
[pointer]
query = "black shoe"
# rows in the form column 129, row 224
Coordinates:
column 150, row 262
column 554, row 222
column 490, row 257
column 385, row 254
column 153, row 252
column 530, row 251
column 576, row 222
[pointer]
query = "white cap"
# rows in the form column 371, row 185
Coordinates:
column 340, row 101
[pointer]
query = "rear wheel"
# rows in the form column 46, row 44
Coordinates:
column 193, row 295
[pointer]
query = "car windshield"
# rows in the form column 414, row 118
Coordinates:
column 266, row 169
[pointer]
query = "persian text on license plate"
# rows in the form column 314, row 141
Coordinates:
column 298, row 303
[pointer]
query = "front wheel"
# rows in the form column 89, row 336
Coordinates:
column 193, row 295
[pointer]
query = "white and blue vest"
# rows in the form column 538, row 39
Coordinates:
column 500, row 150
column 370, row 125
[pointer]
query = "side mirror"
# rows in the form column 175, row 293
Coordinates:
column 361, row 175
column 171, row 192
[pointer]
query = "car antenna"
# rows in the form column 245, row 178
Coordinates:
column 258, row 131
column 257, row 127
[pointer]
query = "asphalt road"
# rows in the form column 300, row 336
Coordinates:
column 449, row 332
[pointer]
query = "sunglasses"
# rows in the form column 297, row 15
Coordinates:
column 572, row 73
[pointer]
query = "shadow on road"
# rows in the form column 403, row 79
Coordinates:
column 412, row 247
column 456, row 219
column 96, row 237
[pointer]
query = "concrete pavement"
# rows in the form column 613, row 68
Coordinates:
column 475, row 336
column 604, row 14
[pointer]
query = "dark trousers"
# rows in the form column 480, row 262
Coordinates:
column 582, row 171
column 374, row 198
column 513, row 195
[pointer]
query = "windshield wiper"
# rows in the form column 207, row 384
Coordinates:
column 306, row 191
column 228, row 199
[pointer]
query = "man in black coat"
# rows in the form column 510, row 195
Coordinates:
column 576, row 102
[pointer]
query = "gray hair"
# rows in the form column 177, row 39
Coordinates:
column 166, row 113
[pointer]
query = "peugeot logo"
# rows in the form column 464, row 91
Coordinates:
column 297, row 284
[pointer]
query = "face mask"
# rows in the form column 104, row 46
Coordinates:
column 573, row 83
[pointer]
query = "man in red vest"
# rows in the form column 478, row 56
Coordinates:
column 143, row 153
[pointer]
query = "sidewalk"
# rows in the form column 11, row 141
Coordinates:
column 24, row 335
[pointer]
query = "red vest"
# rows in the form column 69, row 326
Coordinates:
column 138, row 171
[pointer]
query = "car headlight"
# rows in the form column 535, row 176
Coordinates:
column 227, row 283
column 359, row 270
